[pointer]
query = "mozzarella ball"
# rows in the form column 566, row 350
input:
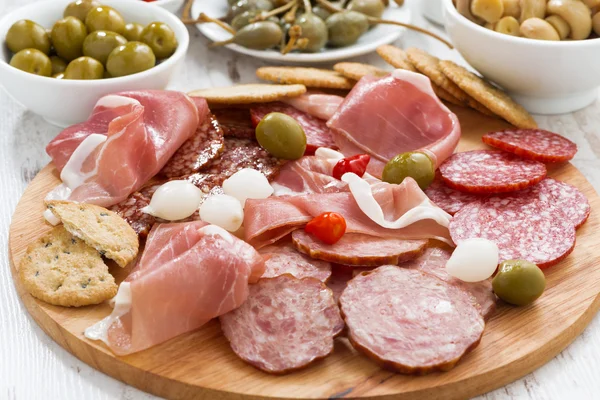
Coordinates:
column 174, row 200
column 224, row 211
column 473, row 260
column 247, row 183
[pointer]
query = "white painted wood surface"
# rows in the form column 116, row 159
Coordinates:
column 32, row 366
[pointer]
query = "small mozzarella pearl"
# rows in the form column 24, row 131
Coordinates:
column 473, row 260
column 247, row 183
column 224, row 211
column 174, row 200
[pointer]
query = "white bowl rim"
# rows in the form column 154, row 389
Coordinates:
column 179, row 52
column 451, row 9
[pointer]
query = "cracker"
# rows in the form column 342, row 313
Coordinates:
column 396, row 57
column 491, row 97
column 100, row 228
column 444, row 95
column 250, row 93
column 357, row 71
column 310, row 77
column 63, row 270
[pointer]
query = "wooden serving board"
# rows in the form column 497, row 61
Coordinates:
column 200, row 365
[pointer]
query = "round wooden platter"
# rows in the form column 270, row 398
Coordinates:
column 200, row 365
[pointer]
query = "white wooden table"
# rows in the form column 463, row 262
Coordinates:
column 32, row 366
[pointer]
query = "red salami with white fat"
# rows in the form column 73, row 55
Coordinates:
column 318, row 134
column 285, row 324
column 533, row 144
column 448, row 199
column 490, row 171
column 198, row 151
column 285, row 259
column 522, row 226
column 358, row 249
column 433, row 262
column 410, row 321
column 564, row 197
column 235, row 122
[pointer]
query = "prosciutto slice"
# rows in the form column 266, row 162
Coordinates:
column 315, row 103
column 384, row 117
column 268, row 220
column 143, row 130
column 188, row 274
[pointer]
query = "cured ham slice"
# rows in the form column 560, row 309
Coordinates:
column 143, row 130
column 268, row 220
column 317, row 104
column 384, row 117
column 188, row 274
column 308, row 174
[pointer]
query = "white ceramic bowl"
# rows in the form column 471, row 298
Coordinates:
column 545, row 77
column 170, row 5
column 65, row 102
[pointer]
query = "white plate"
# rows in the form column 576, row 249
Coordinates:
column 375, row 37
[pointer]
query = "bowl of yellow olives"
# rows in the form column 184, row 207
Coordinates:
column 60, row 56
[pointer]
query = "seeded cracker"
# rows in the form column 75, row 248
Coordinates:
column 493, row 98
column 250, row 93
column 357, row 71
column 63, row 270
column 310, row 77
column 429, row 66
column 100, row 228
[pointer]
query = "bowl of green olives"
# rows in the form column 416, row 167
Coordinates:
column 324, row 35
column 60, row 56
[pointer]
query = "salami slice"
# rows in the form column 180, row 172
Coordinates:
column 521, row 225
column 318, row 134
column 533, row 144
column 285, row 259
column 358, row 249
column 490, row 171
column 206, row 145
column 130, row 210
column 448, row 199
column 409, row 321
column 235, row 122
column 285, row 324
column 565, row 198
column 433, row 262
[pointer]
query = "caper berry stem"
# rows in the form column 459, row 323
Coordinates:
column 295, row 32
column 263, row 16
column 307, row 6
column 187, row 9
column 290, row 16
column 203, row 18
column 333, row 9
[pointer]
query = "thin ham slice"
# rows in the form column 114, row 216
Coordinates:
column 308, row 174
column 315, row 103
column 143, row 129
column 189, row 274
column 384, row 117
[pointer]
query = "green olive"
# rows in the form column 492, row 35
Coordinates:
column 99, row 44
column 259, row 35
column 26, row 34
column 161, row 39
column 60, row 75
column 282, row 136
column 80, row 8
column 519, row 282
column 58, row 65
column 130, row 58
column 345, row 28
column 372, row 8
column 416, row 165
column 68, row 35
column 313, row 29
column 104, row 18
column 133, row 31
column 32, row 61
column 84, row 68
column 321, row 12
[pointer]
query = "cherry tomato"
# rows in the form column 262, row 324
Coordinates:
column 357, row 164
column 328, row 227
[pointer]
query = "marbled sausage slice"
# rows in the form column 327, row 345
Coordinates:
column 358, row 249
column 285, row 324
column 409, row 321
column 285, row 259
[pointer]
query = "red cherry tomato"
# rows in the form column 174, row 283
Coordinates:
column 357, row 164
column 328, row 227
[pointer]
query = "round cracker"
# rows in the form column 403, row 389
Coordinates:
column 250, row 93
column 357, row 71
column 491, row 97
column 445, row 95
column 311, row 77
column 396, row 57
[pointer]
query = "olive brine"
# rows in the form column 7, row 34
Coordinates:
column 92, row 41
